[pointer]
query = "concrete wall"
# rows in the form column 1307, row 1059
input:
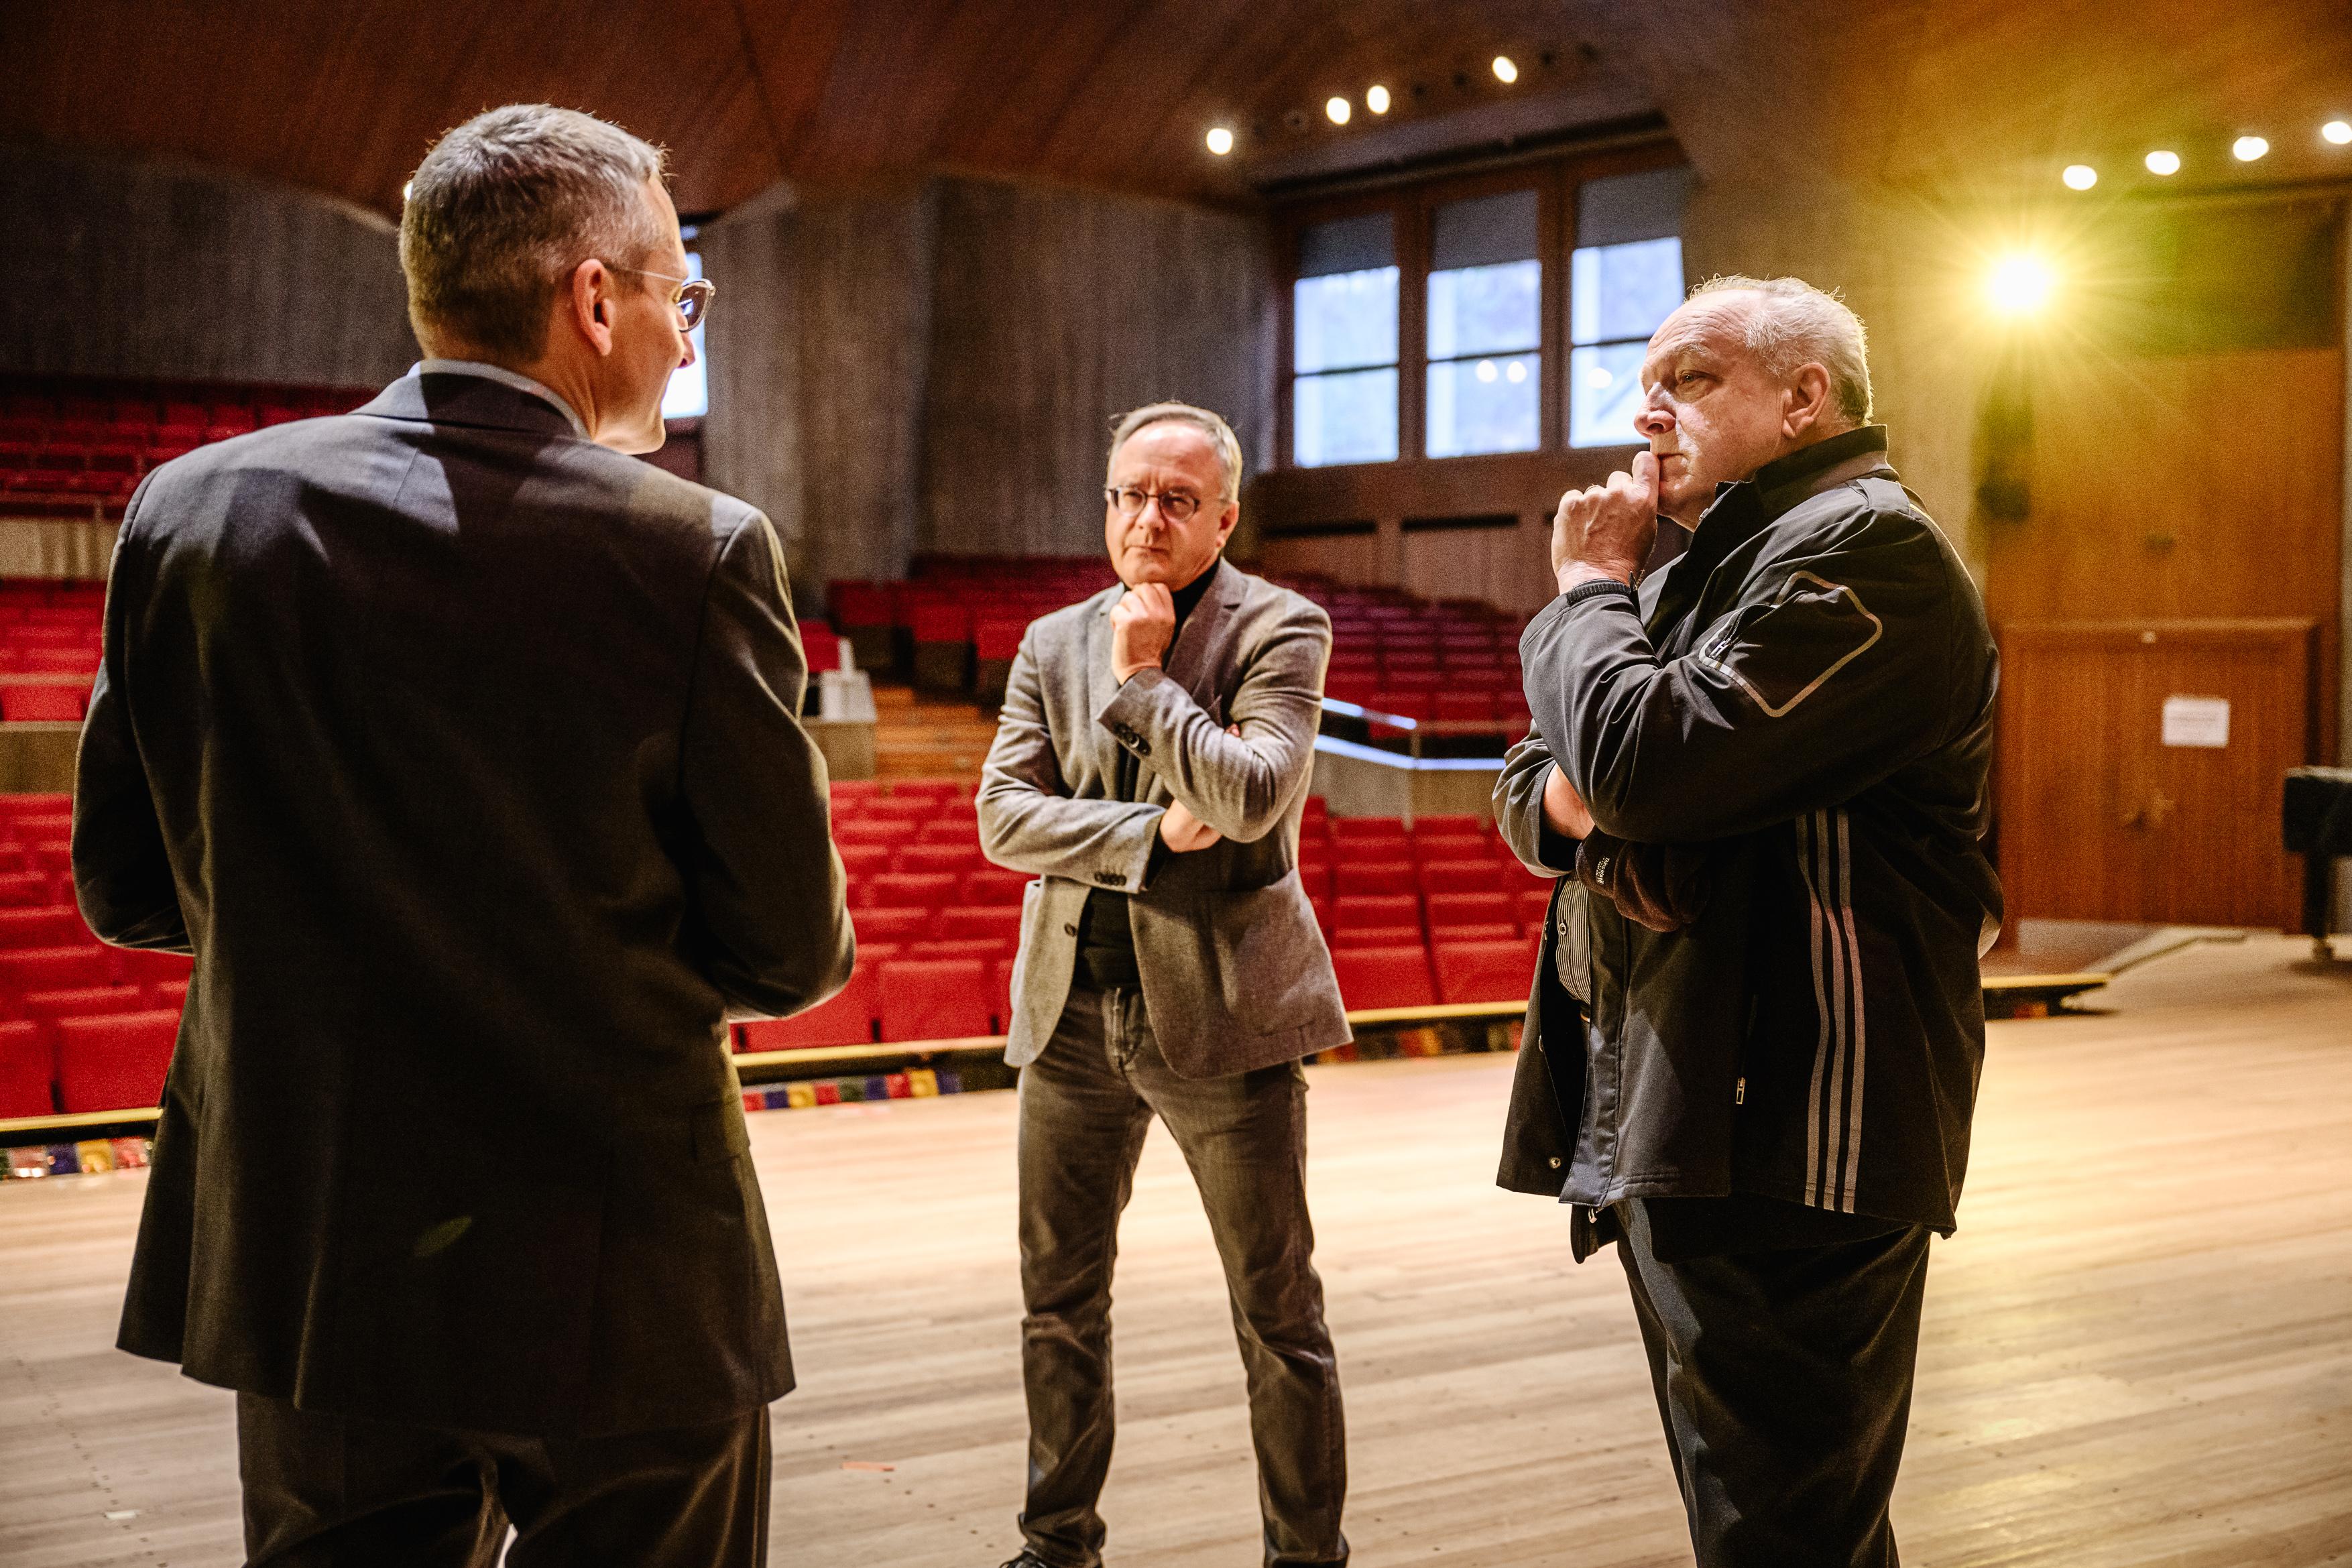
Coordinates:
column 121, row 267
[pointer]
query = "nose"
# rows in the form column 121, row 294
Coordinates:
column 1654, row 422
column 686, row 358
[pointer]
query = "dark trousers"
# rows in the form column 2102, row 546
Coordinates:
column 1784, row 1381
column 327, row 1492
column 1086, row 1104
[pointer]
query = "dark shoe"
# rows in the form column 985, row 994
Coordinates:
column 1028, row 1559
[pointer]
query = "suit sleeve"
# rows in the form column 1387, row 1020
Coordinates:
column 1825, row 678
column 1518, row 811
column 766, row 886
column 122, row 871
column 1028, row 821
column 1239, row 785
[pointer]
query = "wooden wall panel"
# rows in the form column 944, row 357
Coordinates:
column 1510, row 566
column 2102, row 820
column 1350, row 558
column 1056, row 311
column 125, row 269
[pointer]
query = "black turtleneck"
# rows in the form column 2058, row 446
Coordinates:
column 1106, row 938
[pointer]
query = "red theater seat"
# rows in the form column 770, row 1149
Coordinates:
column 1428, row 847
column 1451, row 909
column 114, row 1063
column 999, row 921
column 1000, row 1000
column 867, row 830
column 1485, row 971
column 1354, row 876
column 25, row 1071
column 1395, row 977
column 1351, row 910
column 889, row 926
column 953, row 859
column 1464, row 876
column 23, row 889
column 1376, row 936
column 1448, row 826
column 83, row 1002
column 1354, row 833
column 936, row 998
column 866, row 859
column 56, row 928
column 52, row 704
column 992, row 885
column 1535, row 906
column 988, row 948
column 55, row 969
column 59, row 807
column 962, row 830
column 909, row 890
column 844, row 1020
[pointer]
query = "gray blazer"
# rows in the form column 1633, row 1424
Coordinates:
column 465, row 756
column 1234, row 970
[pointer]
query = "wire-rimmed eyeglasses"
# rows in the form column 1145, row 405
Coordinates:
column 1176, row 505
column 693, row 300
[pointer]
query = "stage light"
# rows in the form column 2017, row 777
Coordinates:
column 2080, row 176
column 1337, row 108
column 2246, row 149
column 1376, row 98
column 1486, row 372
column 1516, row 372
column 2164, row 162
column 1506, row 70
column 2339, row 131
column 1220, row 140
column 2020, row 284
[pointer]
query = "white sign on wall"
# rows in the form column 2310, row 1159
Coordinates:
column 2197, row 721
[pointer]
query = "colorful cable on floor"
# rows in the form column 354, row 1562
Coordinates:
column 919, row 1084
column 91, row 1156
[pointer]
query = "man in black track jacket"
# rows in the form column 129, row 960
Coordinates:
column 1752, row 1053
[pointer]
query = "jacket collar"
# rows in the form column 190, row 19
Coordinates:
column 476, row 401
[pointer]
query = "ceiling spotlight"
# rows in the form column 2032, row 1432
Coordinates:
column 2080, row 176
column 1515, row 371
column 1337, row 108
column 2019, row 285
column 2246, row 149
column 1376, row 98
column 1486, row 372
column 2339, row 131
column 1506, row 70
column 1220, row 140
column 2162, row 163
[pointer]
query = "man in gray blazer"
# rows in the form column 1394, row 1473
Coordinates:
column 1150, row 769
column 463, row 752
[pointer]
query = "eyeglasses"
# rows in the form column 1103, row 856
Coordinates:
column 1176, row 505
column 693, row 294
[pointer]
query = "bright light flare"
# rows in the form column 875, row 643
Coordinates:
column 2163, row 163
column 2019, row 285
column 2246, row 149
column 2080, row 176
column 1220, row 140
column 1376, row 98
column 1337, row 111
column 2338, row 132
column 1506, row 70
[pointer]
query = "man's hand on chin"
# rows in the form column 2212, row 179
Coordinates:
column 1604, row 533
column 1142, row 624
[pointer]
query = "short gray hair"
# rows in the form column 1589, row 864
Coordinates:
column 1210, row 423
column 503, row 209
column 1797, row 324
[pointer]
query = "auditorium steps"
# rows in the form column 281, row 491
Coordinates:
column 918, row 735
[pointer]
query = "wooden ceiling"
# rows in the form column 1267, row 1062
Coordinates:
column 344, row 97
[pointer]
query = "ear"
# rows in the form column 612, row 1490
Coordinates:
column 591, row 304
column 1233, row 514
column 1806, row 404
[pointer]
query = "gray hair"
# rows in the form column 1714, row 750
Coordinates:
column 1220, row 436
column 503, row 209
column 1797, row 324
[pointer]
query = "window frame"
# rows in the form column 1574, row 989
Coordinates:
column 1412, row 205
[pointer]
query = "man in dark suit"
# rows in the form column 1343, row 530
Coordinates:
column 462, row 751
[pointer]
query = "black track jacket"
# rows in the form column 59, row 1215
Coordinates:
column 1808, row 691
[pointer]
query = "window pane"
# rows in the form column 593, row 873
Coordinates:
column 1346, row 418
column 1343, row 319
column 1622, row 290
column 1604, row 393
column 688, row 396
column 1484, row 405
column 1485, row 309
column 1484, row 231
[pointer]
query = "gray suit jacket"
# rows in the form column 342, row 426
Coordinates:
column 465, row 757
column 1234, row 970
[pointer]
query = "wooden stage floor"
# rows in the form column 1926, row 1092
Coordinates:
column 2138, row 1348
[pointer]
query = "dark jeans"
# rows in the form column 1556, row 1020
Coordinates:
column 1784, row 1381
column 327, row 1492
column 1085, row 1103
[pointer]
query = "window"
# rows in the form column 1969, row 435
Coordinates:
column 1343, row 390
column 688, row 393
column 1486, row 327
column 1624, row 277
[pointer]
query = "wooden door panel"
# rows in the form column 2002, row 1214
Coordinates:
column 2100, row 820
